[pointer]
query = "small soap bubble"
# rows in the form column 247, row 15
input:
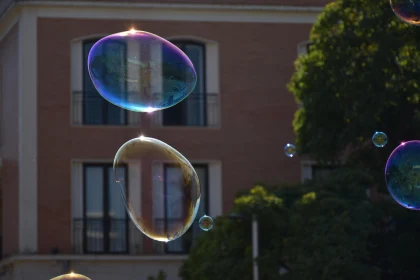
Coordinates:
column 140, row 71
column 206, row 223
column 290, row 150
column 71, row 276
column 379, row 139
column 173, row 190
column 402, row 174
column 407, row 10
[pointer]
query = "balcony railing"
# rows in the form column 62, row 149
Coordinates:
column 102, row 236
column 90, row 108
column 197, row 110
column 123, row 237
column 181, row 245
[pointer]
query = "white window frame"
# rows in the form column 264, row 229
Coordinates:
column 76, row 73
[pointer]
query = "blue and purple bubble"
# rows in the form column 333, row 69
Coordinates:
column 140, row 71
column 402, row 174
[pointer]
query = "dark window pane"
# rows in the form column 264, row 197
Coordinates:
column 105, row 217
column 97, row 110
column 117, row 214
column 173, row 206
column 94, row 209
column 191, row 111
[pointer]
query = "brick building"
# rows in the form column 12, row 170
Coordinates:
column 58, row 137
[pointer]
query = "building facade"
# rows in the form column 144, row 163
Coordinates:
column 58, row 137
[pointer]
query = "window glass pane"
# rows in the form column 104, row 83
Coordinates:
column 92, row 101
column 94, row 209
column 96, row 109
column 117, row 213
column 174, row 195
column 173, row 204
column 191, row 111
column 203, row 210
column 195, row 103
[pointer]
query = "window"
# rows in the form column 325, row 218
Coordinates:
column 95, row 109
column 105, row 220
column 303, row 47
column 193, row 110
column 313, row 170
column 172, row 188
column 321, row 171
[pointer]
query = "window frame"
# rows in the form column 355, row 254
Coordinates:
column 105, row 111
column 181, row 44
column 105, row 219
column 187, row 245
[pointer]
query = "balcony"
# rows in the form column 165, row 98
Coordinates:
column 124, row 238
column 197, row 110
column 91, row 109
column 89, row 236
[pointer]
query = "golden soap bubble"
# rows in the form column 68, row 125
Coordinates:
column 71, row 276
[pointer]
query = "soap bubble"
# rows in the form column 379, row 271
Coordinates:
column 407, row 10
column 402, row 174
column 290, row 150
column 140, row 71
column 170, row 200
column 71, row 276
column 206, row 223
column 379, row 139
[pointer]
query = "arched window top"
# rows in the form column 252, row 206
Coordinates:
column 90, row 37
column 192, row 40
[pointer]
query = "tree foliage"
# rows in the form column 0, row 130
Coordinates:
column 322, row 234
column 361, row 75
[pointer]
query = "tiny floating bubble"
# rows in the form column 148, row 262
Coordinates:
column 290, row 150
column 206, row 223
column 379, row 139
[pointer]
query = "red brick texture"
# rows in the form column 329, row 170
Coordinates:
column 256, row 62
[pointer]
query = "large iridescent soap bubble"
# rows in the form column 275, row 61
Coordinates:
column 71, row 276
column 402, row 174
column 166, row 203
column 140, row 71
column 407, row 10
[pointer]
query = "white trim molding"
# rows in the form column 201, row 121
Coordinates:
column 302, row 47
column 306, row 169
column 27, row 95
column 182, row 12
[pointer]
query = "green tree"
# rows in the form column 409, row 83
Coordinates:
column 161, row 276
column 361, row 75
column 225, row 252
column 330, row 226
column 321, row 233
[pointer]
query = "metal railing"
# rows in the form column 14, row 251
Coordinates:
column 90, row 108
column 106, row 236
column 197, row 110
column 181, row 245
